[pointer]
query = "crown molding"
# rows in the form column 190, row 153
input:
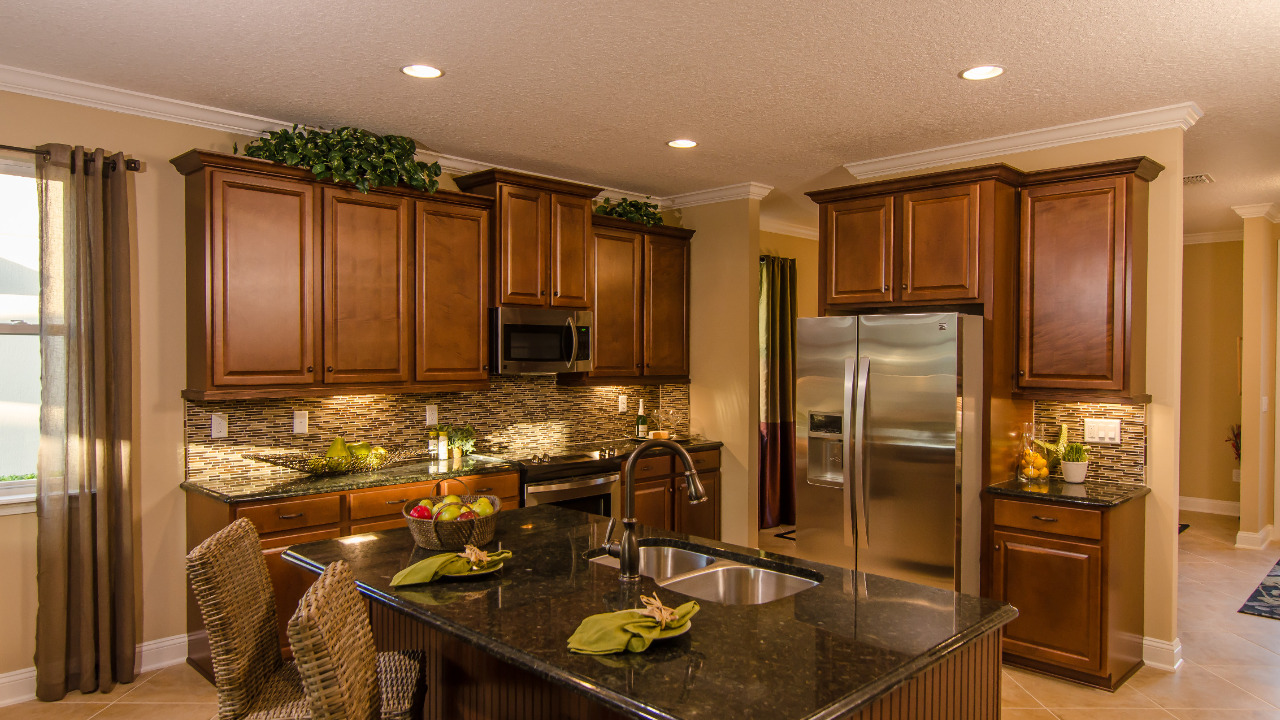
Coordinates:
column 1270, row 211
column 782, row 227
column 104, row 97
column 454, row 165
column 1181, row 116
column 741, row 191
column 1220, row 236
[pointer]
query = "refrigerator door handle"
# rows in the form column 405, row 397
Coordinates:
column 861, row 483
column 846, row 432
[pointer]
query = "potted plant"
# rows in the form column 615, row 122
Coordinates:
column 638, row 211
column 462, row 440
column 1234, row 440
column 348, row 154
column 1075, row 462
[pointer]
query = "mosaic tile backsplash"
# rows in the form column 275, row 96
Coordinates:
column 529, row 412
column 1125, row 462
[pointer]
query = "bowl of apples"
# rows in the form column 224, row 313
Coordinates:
column 453, row 521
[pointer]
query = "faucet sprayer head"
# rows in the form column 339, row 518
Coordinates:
column 697, row 493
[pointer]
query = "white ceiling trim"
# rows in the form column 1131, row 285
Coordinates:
column 1270, row 211
column 1213, row 237
column 741, row 191
column 783, row 227
column 1182, row 116
column 103, row 97
column 454, row 165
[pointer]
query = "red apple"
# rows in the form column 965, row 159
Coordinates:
column 420, row 512
column 468, row 515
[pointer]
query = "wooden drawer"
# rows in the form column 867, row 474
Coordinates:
column 385, row 500
column 383, row 524
column 292, row 514
column 705, row 460
column 658, row 466
column 1056, row 519
column 500, row 484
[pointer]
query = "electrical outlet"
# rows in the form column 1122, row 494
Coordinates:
column 219, row 426
column 432, row 416
column 1103, row 431
column 622, row 403
column 300, row 422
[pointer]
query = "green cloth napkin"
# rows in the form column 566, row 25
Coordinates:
column 424, row 571
column 626, row 630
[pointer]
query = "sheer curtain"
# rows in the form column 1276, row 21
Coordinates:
column 85, row 624
column 777, row 391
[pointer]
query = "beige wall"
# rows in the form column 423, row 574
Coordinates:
column 1211, row 326
column 805, row 252
column 724, row 370
column 1258, row 369
column 27, row 121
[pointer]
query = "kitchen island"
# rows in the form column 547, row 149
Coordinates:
column 496, row 644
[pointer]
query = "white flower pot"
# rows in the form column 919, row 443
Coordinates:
column 1235, row 475
column 1074, row 472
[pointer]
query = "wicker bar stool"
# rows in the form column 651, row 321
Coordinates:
column 233, row 589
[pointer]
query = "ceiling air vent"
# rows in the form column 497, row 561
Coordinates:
column 1201, row 179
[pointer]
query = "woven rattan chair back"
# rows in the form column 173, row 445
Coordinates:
column 229, row 577
column 333, row 648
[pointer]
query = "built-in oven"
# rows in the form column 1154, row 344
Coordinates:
column 539, row 341
column 594, row 494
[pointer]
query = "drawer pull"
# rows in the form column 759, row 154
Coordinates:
column 293, row 516
column 398, row 502
column 1044, row 519
column 484, row 490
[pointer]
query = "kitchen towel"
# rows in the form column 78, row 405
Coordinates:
column 628, row 630
column 425, row 571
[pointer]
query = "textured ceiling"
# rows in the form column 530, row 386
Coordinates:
column 781, row 93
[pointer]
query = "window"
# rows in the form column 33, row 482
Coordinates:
column 19, row 335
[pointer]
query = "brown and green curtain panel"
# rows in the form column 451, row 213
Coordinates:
column 777, row 391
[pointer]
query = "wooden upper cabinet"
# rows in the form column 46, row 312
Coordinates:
column 857, row 242
column 259, row 306
column 452, row 261
column 368, row 310
column 940, row 243
column 571, row 256
column 618, row 322
column 666, row 302
column 523, row 243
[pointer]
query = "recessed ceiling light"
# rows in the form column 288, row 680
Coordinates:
column 682, row 143
column 421, row 71
column 982, row 72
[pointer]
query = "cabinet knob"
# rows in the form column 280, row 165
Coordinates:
column 556, row 293
column 886, row 288
column 311, row 368
column 541, row 293
column 904, row 286
column 637, row 364
column 648, row 364
column 329, row 369
column 997, row 546
column 1022, row 373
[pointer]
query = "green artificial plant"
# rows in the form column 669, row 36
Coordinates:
column 1053, row 453
column 639, row 211
column 348, row 154
column 462, row 436
column 1075, row 452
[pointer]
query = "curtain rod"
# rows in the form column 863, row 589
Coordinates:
column 129, row 164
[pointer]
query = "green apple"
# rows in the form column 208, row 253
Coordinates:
column 482, row 507
column 449, row 512
column 451, row 499
column 427, row 503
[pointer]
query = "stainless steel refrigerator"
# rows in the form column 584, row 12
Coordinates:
column 888, row 445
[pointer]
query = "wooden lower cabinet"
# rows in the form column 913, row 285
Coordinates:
column 662, row 495
column 653, row 503
column 702, row 519
column 1076, row 577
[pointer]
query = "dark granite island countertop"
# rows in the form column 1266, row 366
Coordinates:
column 1090, row 493
column 822, row 653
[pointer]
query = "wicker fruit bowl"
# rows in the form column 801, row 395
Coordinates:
column 452, row 534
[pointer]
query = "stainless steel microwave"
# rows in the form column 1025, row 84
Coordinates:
column 540, row 341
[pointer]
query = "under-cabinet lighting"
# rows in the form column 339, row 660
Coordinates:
column 682, row 143
column 421, row 71
column 982, row 72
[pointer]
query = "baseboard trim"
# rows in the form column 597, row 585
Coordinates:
column 20, row 685
column 1253, row 540
column 1207, row 505
column 1162, row 655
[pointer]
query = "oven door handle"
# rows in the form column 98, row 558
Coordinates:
column 574, row 484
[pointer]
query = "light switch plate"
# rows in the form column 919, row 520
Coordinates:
column 300, row 422
column 1103, row 431
column 432, row 416
column 218, row 427
column 622, row 403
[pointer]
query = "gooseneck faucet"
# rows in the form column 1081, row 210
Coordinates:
column 628, row 550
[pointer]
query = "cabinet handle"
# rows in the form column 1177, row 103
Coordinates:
column 294, row 516
column 1022, row 373
column 997, row 547
column 398, row 502
column 541, row 293
column 484, row 490
column 556, row 293
column 1044, row 519
column 329, row 369
column 311, row 368
column 637, row 364
column 886, row 288
column 904, row 286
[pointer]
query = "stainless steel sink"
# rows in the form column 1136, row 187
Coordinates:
column 739, row 585
column 660, row 562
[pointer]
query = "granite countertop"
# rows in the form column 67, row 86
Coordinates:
column 1090, row 493
column 821, row 653
column 274, row 487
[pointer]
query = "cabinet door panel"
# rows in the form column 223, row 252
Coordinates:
column 289, row 581
column 653, row 503
column 617, row 332
column 523, row 245
column 858, row 251
column 367, row 303
column 262, row 235
column 571, row 251
column 702, row 519
column 1056, row 586
column 452, row 267
column 1072, row 324
column 666, row 299
column 940, row 240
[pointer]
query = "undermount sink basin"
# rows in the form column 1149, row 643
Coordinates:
column 711, row 578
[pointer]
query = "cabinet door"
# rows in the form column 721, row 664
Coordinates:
column 452, row 260
column 857, row 251
column 262, row 280
column 288, row 581
column 617, row 323
column 1056, row 586
column 702, row 519
column 653, row 503
column 1072, row 330
column 522, row 245
column 367, row 297
column 571, row 251
column 666, row 306
column 940, row 243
